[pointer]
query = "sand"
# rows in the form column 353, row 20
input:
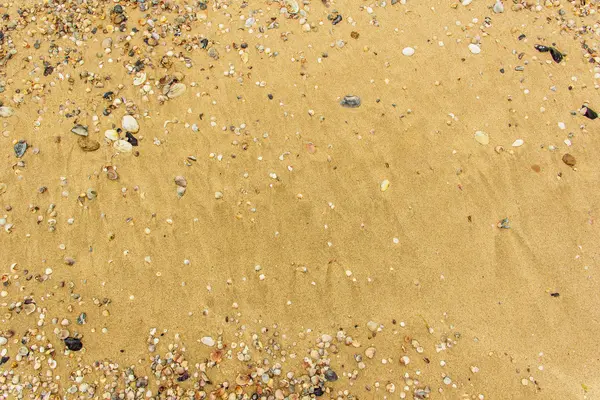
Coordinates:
column 284, row 230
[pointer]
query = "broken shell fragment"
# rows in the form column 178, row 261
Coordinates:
column 139, row 79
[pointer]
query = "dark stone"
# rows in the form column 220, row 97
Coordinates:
column 557, row 56
column 20, row 148
column 318, row 391
column 591, row 114
column 337, row 19
column 73, row 344
column 131, row 139
column 118, row 9
column 350, row 101
column 330, row 375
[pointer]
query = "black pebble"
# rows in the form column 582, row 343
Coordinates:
column 318, row 391
column 501, row 70
column 204, row 43
column 337, row 19
column 48, row 70
column 3, row 360
column 557, row 56
column 541, row 48
column 555, row 294
column 591, row 114
column 244, row 45
column 73, row 344
column 131, row 139
column 270, row 96
column 118, row 9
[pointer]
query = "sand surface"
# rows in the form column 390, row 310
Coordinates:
column 284, row 231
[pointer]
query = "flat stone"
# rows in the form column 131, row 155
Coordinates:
column 350, row 101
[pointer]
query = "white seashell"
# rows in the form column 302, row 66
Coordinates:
column 139, row 79
column 475, row 49
column 6, row 112
column 111, row 134
column 176, row 90
column 208, row 341
column 408, row 51
column 498, row 7
column 466, row 2
column 130, row 124
column 518, row 143
column 123, row 146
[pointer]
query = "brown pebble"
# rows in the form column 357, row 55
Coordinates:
column 536, row 168
column 569, row 160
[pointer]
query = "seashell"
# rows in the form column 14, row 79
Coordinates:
column 91, row 194
column 498, row 7
column 80, row 130
column 291, row 6
column 111, row 173
column 130, row 124
column 123, row 146
column 139, row 79
column 111, row 134
column 243, row 380
column 518, row 143
column 180, row 181
column 6, row 112
column 180, row 191
column 176, row 90
column 29, row 308
column 87, row 144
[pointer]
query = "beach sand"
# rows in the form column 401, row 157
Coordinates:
column 284, row 233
